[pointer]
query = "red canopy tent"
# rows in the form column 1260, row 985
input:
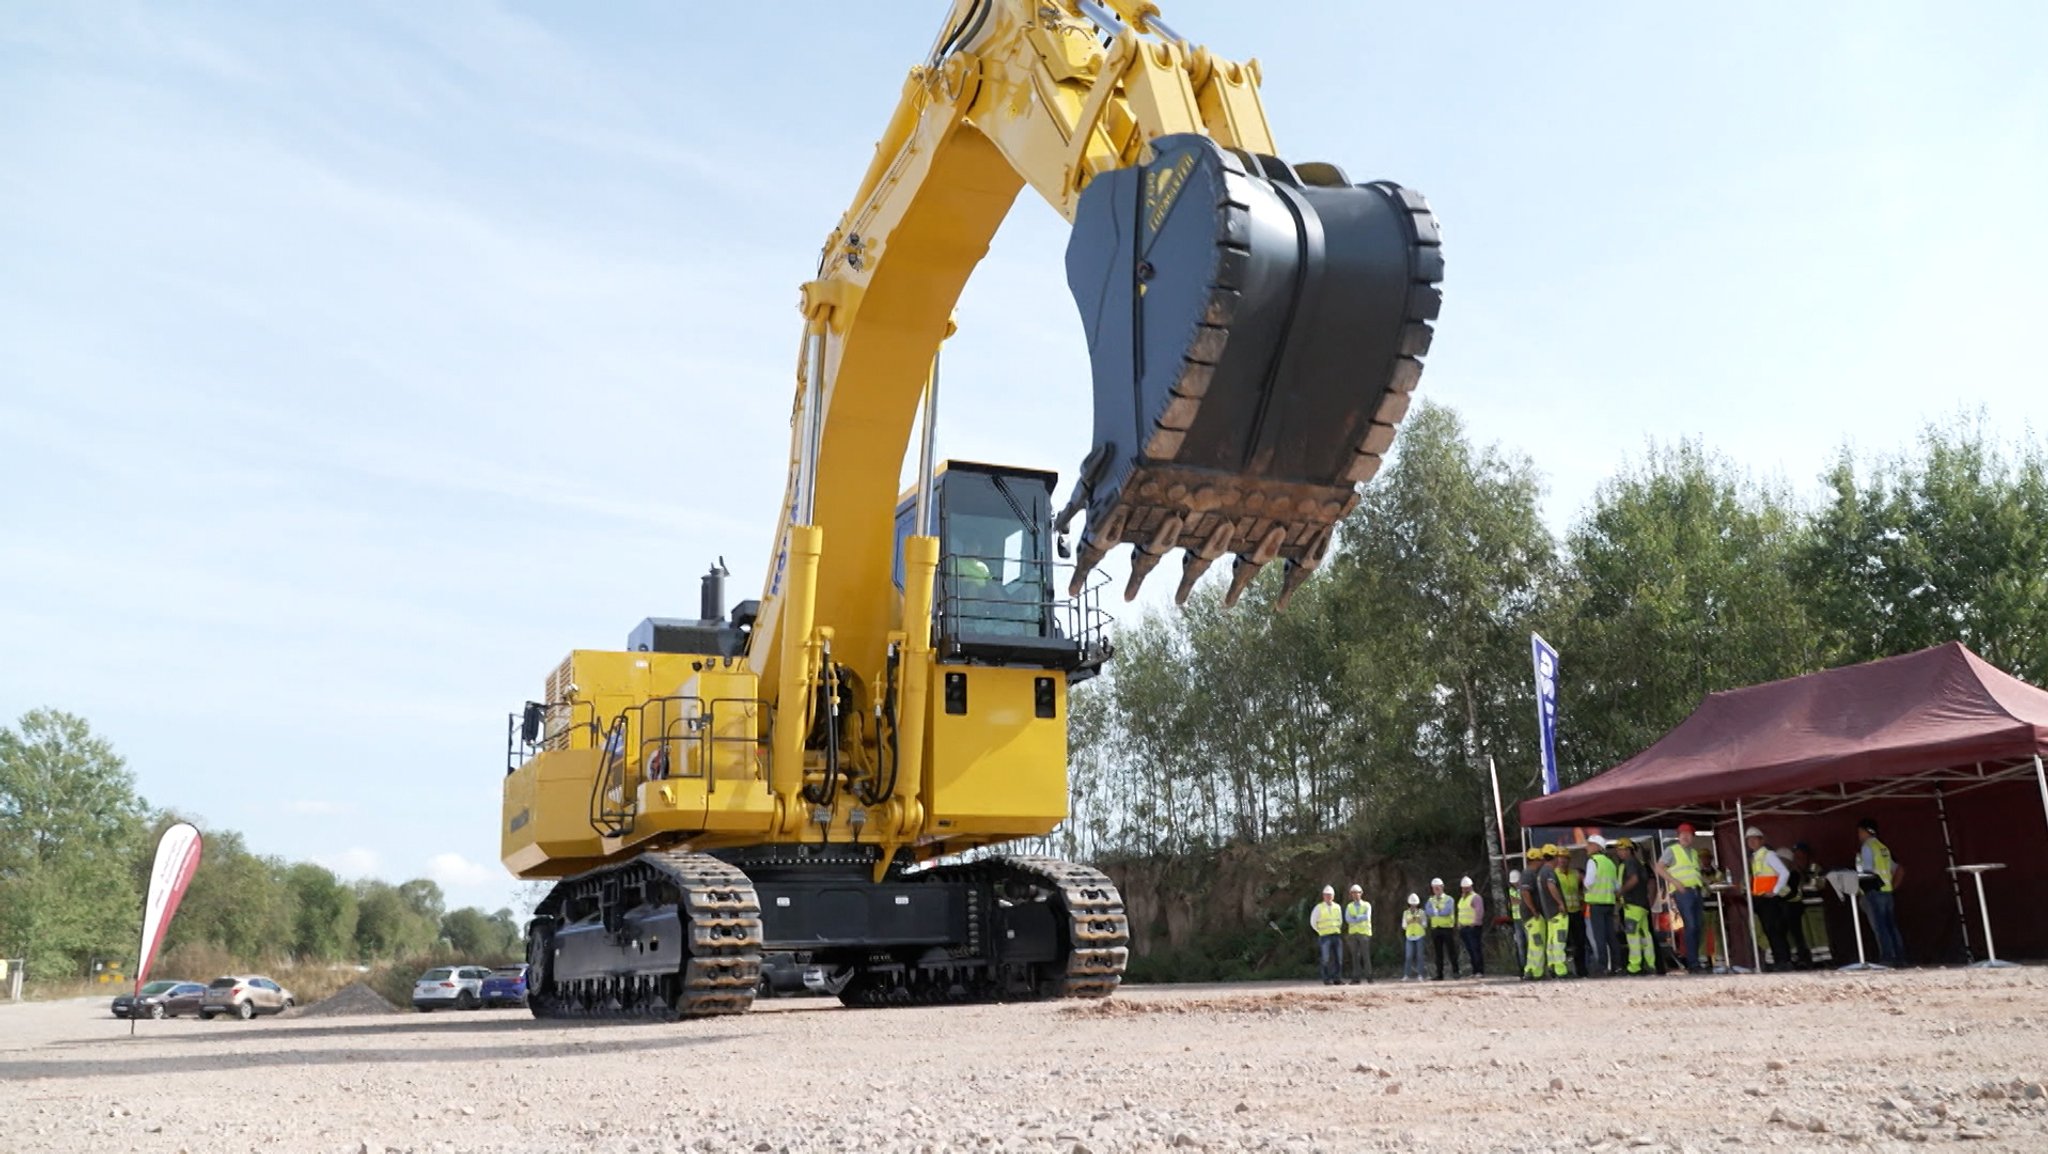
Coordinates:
column 1943, row 749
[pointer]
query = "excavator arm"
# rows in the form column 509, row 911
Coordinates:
column 1255, row 327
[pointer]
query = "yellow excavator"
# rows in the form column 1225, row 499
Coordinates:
column 794, row 787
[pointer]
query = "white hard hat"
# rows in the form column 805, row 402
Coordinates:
column 1596, row 839
column 1514, row 875
column 1752, row 831
column 1413, row 900
column 1356, row 888
column 1436, row 881
column 1465, row 882
column 1329, row 889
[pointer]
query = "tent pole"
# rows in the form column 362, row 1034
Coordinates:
column 1756, row 953
column 2041, row 776
column 1955, row 880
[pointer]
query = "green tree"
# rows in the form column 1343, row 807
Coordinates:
column 237, row 901
column 324, row 913
column 1683, row 579
column 1446, row 566
column 475, row 935
column 1951, row 545
column 71, row 827
column 388, row 925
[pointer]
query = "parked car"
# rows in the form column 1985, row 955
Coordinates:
column 161, row 999
column 505, row 987
column 459, row 986
column 244, row 996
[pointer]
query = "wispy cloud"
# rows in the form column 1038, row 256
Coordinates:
column 353, row 862
column 453, row 871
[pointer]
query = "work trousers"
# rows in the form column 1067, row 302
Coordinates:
column 1576, row 943
column 1411, row 959
column 1475, row 948
column 1795, row 931
column 1884, row 918
column 1813, row 930
column 1600, row 938
column 1331, row 949
column 1443, row 944
column 1772, row 913
column 1358, row 957
column 1692, row 908
column 1642, row 949
column 1535, row 945
column 1560, row 931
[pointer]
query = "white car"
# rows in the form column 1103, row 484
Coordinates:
column 444, row 986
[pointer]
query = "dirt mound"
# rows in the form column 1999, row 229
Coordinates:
column 1289, row 1001
column 351, row 1000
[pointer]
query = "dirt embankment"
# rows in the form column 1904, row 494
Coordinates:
column 1252, row 900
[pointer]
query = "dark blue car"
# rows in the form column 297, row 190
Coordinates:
column 505, row 987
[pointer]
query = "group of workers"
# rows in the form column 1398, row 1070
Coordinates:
column 1344, row 933
column 1594, row 918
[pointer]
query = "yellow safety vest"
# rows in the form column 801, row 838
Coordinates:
column 1880, row 861
column 1411, row 924
column 1762, row 882
column 1685, row 866
column 1468, row 914
column 1358, row 918
column 1440, row 909
column 1328, row 919
column 1606, row 880
column 1573, row 888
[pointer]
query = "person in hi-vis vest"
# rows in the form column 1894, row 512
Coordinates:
column 1413, row 928
column 1327, row 920
column 1358, row 936
column 1879, row 874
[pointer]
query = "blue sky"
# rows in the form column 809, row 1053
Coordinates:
column 358, row 361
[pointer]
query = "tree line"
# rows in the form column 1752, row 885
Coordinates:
column 77, row 843
column 1371, row 705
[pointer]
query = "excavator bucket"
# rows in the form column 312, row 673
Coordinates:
column 1256, row 330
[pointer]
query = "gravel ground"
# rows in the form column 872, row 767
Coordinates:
column 1795, row 1062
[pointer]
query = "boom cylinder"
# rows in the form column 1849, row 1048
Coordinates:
column 799, row 612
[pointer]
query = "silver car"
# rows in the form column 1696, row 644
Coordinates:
column 460, row 987
column 244, row 996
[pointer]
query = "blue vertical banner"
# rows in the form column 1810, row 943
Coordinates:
column 1546, row 707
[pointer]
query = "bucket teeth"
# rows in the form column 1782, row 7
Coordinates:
column 1192, row 566
column 1240, row 578
column 1142, row 564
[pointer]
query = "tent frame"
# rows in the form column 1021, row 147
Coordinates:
column 1927, row 785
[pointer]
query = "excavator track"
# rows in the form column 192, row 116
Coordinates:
column 1091, row 930
column 1097, row 927
column 663, row 937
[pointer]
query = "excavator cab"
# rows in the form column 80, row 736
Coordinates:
column 995, row 599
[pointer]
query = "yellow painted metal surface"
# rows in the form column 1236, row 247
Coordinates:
column 1029, row 97
column 997, row 769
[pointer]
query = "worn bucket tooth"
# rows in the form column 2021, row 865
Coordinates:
column 1254, row 332
column 1192, row 566
column 1240, row 579
column 1291, row 579
column 1142, row 564
column 1086, row 558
